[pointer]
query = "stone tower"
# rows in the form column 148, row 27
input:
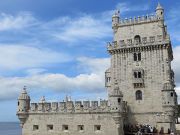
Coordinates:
column 23, row 106
column 141, row 55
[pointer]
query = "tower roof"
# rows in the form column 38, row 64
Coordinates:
column 159, row 7
column 116, row 14
column 24, row 94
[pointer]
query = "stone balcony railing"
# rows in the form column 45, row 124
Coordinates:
column 118, row 45
column 138, row 80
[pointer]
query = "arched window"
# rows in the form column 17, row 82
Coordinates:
column 137, row 39
column 138, row 95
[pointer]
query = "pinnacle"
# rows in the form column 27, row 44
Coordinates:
column 159, row 6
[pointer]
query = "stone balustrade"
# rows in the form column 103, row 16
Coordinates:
column 123, row 44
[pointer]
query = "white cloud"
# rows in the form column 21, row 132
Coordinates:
column 178, row 93
column 92, row 82
column 83, row 28
column 20, row 21
column 127, row 7
column 95, row 65
column 173, row 18
column 14, row 57
column 35, row 71
column 176, row 63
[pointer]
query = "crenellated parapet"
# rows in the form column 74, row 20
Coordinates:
column 137, row 20
column 73, row 107
column 70, row 106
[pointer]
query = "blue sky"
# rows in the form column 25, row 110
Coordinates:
column 58, row 47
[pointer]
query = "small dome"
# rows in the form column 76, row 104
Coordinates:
column 24, row 94
column 116, row 14
column 159, row 7
column 168, row 86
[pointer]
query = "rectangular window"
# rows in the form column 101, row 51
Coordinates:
column 135, row 74
column 49, row 127
column 65, row 128
column 97, row 127
column 137, row 56
column 35, row 127
column 108, row 79
column 119, row 100
column 80, row 127
column 139, row 75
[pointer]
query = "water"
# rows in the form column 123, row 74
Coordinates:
column 10, row 128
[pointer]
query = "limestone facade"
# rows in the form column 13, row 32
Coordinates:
column 140, row 84
column 141, row 55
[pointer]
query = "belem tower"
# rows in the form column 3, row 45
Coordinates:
column 139, row 82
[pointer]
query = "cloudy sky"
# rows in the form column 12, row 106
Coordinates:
column 58, row 47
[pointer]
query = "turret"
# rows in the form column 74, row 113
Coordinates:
column 160, row 12
column 115, row 21
column 116, row 105
column 116, row 98
column 169, row 97
column 23, row 106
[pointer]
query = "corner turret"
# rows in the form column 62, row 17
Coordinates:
column 23, row 106
column 169, row 103
column 115, row 20
column 116, row 98
column 160, row 12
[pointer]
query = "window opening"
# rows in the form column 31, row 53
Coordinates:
column 80, row 127
column 138, row 95
column 49, row 127
column 35, row 127
column 65, row 127
column 97, row 127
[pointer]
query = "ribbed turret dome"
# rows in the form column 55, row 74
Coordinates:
column 116, row 14
column 24, row 94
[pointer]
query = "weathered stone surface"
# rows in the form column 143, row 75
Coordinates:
column 140, row 84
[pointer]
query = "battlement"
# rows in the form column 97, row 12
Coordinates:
column 73, row 107
column 138, row 20
column 70, row 106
